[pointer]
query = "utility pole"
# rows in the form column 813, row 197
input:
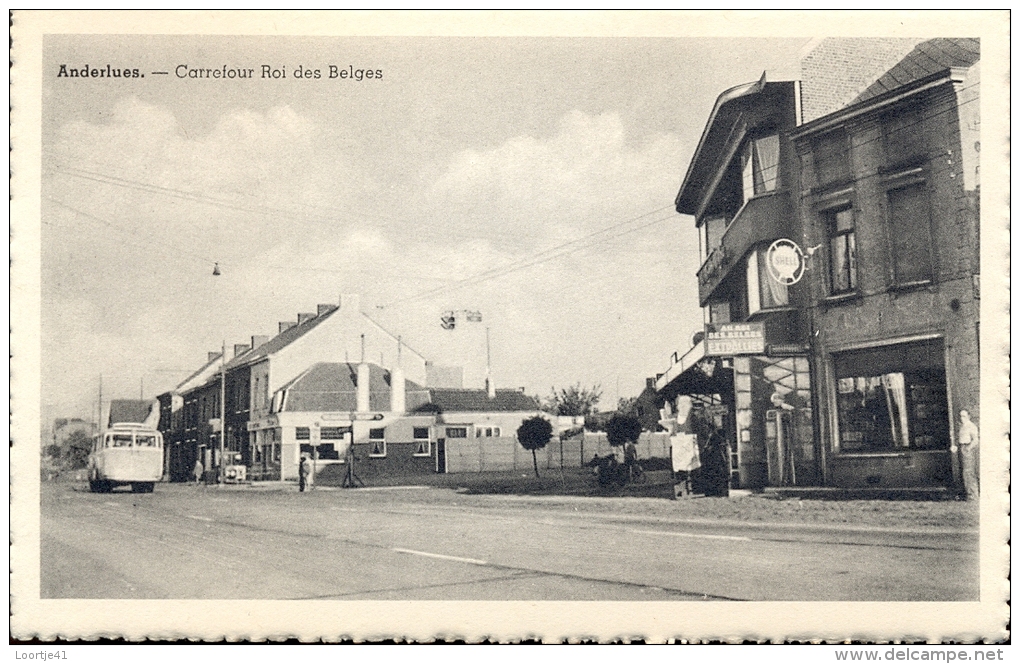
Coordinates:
column 223, row 405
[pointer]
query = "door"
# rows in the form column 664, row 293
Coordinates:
column 441, row 455
column 789, row 443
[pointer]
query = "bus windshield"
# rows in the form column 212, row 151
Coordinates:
column 145, row 440
column 121, row 439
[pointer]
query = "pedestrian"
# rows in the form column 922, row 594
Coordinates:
column 969, row 455
column 198, row 471
column 304, row 471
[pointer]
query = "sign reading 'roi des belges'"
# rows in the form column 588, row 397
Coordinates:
column 727, row 339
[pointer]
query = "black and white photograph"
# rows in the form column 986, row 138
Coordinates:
column 596, row 326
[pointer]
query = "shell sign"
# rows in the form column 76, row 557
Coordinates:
column 785, row 261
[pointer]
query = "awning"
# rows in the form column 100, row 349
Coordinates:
column 687, row 375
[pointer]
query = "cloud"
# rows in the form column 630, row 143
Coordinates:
column 586, row 176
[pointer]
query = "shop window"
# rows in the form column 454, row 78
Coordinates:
column 911, row 234
column 377, row 442
column 842, row 251
column 456, row 432
column 831, row 158
column 306, row 448
column 759, row 166
column 422, row 443
column 885, row 404
column 763, row 292
column 302, row 433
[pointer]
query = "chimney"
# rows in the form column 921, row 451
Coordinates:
column 364, row 377
column 490, row 387
column 304, row 318
column 241, row 349
column 650, row 383
column 258, row 339
column 212, row 355
column 322, row 309
column 398, row 401
column 286, row 325
column 350, row 303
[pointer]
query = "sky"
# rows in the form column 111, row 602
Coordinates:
column 529, row 179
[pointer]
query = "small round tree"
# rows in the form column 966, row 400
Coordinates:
column 534, row 434
column 622, row 428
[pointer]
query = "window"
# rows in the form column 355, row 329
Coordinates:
column 456, row 432
column 332, row 433
column 327, row 451
column 904, row 138
column 892, row 398
column 302, row 433
column 145, row 440
column 714, row 227
column 842, row 251
column 496, row 432
column 831, row 158
column 763, row 292
column 911, row 234
column 377, row 442
column 759, row 166
column 422, row 444
column 122, row 440
column 719, row 312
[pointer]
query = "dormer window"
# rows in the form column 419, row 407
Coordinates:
column 759, row 166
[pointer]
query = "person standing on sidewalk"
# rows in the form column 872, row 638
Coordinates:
column 304, row 471
column 968, row 439
column 198, row 471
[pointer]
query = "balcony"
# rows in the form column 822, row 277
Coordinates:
column 764, row 217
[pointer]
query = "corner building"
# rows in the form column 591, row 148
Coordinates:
column 750, row 369
column 852, row 376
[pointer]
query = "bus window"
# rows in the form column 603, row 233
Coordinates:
column 122, row 440
column 145, row 440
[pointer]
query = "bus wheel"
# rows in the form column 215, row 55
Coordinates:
column 141, row 487
column 94, row 486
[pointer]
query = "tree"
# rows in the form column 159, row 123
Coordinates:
column 534, row 434
column 76, row 449
column 622, row 428
column 575, row 401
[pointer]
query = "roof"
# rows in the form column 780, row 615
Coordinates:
column 333, row 386
column 129, row 410
column 927, row 58
column 281, row 340
column 721, row 128
column 197, row 373
column 462, row 400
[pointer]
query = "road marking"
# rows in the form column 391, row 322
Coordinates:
column 390, row 488
column 733, row 538
column 199, row 518
column 471, row 561
column 110, row 502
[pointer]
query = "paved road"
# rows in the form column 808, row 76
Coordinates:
column 188, row 542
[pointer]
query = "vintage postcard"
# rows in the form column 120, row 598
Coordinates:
column 662, row 326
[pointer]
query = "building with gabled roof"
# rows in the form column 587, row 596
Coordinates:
column 255, row 371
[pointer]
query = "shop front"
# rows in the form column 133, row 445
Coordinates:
column 888, row 407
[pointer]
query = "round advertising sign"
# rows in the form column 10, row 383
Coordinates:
column 785, row 261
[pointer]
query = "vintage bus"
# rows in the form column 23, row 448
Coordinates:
column 126, row 453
